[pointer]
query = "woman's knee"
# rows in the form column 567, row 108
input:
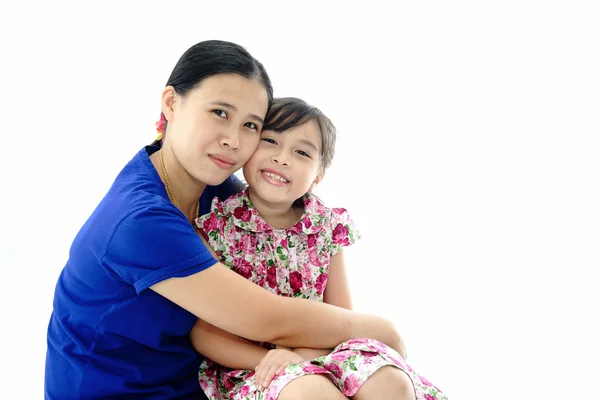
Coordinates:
column 314, row 387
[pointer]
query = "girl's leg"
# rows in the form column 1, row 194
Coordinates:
column 313, row 387
column 388, row 383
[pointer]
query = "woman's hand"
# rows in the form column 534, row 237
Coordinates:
column 274, row 363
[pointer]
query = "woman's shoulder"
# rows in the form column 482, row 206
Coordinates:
column 137, row 193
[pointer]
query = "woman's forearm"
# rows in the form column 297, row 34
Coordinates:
column 306, row 323
column 228, row 301
column 225, row 348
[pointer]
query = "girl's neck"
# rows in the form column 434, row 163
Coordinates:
column 277, row 215
column 186, row 190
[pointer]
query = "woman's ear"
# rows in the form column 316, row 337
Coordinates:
column 168, row 99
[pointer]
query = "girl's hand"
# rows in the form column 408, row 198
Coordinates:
column 274, row 363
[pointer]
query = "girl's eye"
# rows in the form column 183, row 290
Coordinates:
column 303, row 153
column 252, row 125
column 269, row 140
column 220, row 113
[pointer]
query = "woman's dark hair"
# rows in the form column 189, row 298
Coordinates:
column 213, row 57
column 288, row 112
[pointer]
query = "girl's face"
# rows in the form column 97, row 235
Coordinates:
column 216, row 127
column 285, row 165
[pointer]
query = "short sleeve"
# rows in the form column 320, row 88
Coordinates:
column 343, row 230
column 154, row 244
column 211, row 226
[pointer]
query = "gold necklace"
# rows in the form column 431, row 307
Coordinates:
column 170, row 191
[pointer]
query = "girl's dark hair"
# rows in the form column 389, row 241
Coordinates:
column 213, row 57
column 288, row 112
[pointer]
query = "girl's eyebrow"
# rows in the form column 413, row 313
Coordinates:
column 309, row 144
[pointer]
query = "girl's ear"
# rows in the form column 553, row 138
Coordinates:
column 316, row 181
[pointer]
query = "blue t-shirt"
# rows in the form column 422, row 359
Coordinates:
column 110, row 337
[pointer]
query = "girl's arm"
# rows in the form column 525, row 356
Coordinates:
column 337, row 293
column 225, row 348
column 337, row 290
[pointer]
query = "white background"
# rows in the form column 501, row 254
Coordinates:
column 468, row 156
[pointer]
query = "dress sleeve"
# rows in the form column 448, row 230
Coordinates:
column 153, row 244
column 211, row 226
column 343, row 230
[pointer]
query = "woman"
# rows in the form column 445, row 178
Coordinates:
column 138, row 274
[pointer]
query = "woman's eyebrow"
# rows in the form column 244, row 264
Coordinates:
column 234, row 108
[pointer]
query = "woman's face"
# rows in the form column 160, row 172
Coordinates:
column 216, row 127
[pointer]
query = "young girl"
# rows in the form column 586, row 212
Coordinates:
column 281, row 237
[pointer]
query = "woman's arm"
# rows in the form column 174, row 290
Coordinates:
column 228, row 301
column 225, row 348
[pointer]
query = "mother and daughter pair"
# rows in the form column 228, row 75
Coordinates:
column 186, row 283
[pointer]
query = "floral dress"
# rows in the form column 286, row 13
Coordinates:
column 292, row 262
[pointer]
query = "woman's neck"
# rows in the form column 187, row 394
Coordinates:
column 183, row 190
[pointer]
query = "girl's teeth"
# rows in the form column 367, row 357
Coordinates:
column 276, row 177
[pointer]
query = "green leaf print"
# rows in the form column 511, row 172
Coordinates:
column 281, row 253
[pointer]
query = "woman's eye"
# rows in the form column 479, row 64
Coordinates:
column 220, row 113
column 269, row 140
column 303, row 153
column 252, row 125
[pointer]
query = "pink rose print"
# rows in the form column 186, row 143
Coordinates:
column 313, row 369
column 211, row 223
column 272, row 277
column 243, row 267
column 229, row 385
column 296, row 281
column 250, row 242
column 312, row 241
column 262, row 226
column 340, row 235
column 341, row 357
column 339, row 211
column 377, row 346
column 261, row 269
column 242, row 213
column 238, row 246
column 244, row 390
column 307, row 222
column 335, row 370
column 210, row 371
column 429, row 397
column 313, row 257
column 425, row 381
column 350, row 384
column 367, row 353
column 321, row 282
